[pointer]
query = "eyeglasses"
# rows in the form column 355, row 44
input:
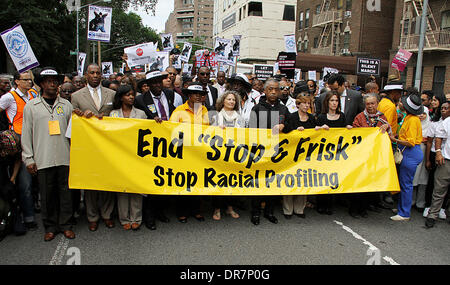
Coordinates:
column 203, row 73
column 30, row 80
column 284, row 88
column 172, row 73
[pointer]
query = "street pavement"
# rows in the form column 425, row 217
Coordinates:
column 316, row 240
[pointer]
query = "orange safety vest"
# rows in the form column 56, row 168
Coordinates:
column 17, row 122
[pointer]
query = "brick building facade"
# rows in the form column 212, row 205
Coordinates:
column 191, row 19
column 436, row 56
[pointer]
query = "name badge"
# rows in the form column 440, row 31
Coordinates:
column 152, row 108
column 53, row 128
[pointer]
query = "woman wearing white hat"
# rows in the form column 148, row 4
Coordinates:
column 409, row 139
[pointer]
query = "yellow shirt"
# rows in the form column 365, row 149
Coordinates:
column 184, row 114
column 411, row 130
column 387, row 107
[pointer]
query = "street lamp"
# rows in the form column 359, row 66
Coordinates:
column 78, row 8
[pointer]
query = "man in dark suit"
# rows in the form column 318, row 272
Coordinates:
column 351, row 101
column 97, row 100
column 158, row 104
column 203, row 77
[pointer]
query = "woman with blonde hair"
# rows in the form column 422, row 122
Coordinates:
column 228, row 107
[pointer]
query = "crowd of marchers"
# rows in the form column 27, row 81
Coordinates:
column 35, row 120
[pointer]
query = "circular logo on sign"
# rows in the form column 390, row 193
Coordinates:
column 290, row 43
column 139, row 52
column 17, row 44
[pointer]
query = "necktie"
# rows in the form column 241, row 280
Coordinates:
column 96, row 99
column 161, row 109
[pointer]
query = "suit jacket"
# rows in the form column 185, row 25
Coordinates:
column 82, row 100
column 214, row 94
column 146, row 103
column 353, row 105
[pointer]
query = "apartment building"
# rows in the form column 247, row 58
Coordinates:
column 191, row 19
column 262, row 25
column 436, row 55
column 337, row 31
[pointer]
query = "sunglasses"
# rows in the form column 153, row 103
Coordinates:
column 284, row 88
column 203, row 73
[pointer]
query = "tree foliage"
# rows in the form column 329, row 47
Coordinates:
column 48, row 26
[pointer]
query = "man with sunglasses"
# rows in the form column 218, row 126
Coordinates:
column 203, row 76
column 14, row 103
column 285, row 97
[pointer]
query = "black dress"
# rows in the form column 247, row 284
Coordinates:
column 322, row 119
column 325, row 201
column 294, row 122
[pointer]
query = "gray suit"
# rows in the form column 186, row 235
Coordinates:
column 98, row 203
column 82, row 100
column 353, row 105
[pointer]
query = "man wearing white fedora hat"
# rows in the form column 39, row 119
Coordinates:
column 158, row 104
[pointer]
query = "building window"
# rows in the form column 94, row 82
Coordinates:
column 307, row 18
column 340, row 4
column 445, row 22
column 318, row 9
column 348, row 5
column 439, row 80
column 347, row 40
column 300, row 46
column 406, row 27
column 255, row 9
column 240, row 14
column 316, row 42
column 289, row 13
column 187, row 2
column 300, row 21
column 306, row 45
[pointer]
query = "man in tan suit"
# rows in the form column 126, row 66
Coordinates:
column 97, row 100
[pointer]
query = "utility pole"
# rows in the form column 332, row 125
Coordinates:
column 423, row 31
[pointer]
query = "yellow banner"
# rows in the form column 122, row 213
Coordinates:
column 142, row 156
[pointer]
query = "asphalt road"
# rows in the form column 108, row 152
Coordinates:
column 316, row 240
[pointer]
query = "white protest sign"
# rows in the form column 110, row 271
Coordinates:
column 312, row 75
column 289, row 42
column 224, row 51
column 298, row 75
column 236, row 46
column 186, row 53
column 19, row 48
column 81, row 62
column 328, row 71
column 107, row 68
column 187, row 68
column 167, row 42
column 99, row 27
column 140, row 54
column 160, row 62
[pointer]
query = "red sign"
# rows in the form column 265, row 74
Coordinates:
column 139, row 52
column 401, row 59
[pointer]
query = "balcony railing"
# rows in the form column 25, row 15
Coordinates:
column 322, row 51
column 326, row 17
column 434, row 40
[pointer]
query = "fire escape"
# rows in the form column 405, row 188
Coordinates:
column 329, row 20
column 435, row 38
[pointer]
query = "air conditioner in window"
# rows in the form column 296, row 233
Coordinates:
column 348, row 14
column 345, row 51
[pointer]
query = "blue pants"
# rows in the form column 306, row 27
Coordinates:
column 412, row 157
column 24, row 184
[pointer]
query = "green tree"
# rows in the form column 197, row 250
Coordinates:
column 48, row 26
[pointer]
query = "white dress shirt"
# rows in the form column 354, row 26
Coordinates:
column 99, row 92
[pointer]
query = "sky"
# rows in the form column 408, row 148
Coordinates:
column 163, row 9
